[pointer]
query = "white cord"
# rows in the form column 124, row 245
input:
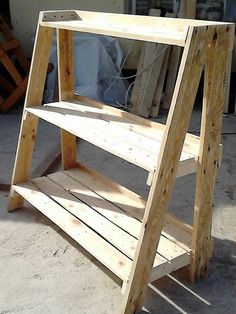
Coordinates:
column 132, row 76
column 121, row 67
column 144, row 69
column 139, row 73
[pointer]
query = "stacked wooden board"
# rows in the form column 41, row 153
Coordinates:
column 13, row 81
column 157, row 70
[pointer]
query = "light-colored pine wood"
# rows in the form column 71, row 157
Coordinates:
column 114, row 260
column 66, row 82
column 161, row 188
column 64, row 200
column 188, row 9
column 121, row 142
column 160, row 84
column 172, row 75
column 135, row 229
column 135, row 96
column 29, row 124
column 144, row 86
column 138, row 124
column 122, row 25
column 130, row 204
column 213, row 103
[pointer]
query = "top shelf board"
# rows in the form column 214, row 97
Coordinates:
column 169, row 31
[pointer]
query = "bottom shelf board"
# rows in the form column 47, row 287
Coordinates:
column 105, row 219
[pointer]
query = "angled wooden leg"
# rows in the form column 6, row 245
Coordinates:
column 66, row 91
column 178, row 120
column 213, row 104
column 29, row 123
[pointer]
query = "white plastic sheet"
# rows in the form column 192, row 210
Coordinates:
column 97, row 61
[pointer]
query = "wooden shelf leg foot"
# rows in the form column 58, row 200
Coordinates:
column 23, row 158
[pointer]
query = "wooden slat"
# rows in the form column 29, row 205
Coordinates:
column 5, row 84
column 130, row 203
column 160, row 84
column 121, row 25
column 66, row 81
column 114, row 260
column 166, row 248
column 115, row 146
column 138, row 124
column 124, row 143
column 14, row 96
column 135, row 96
column 9, row 45
column 148, row 73
column 172, row 75
column 11, row 69
column 82, row 206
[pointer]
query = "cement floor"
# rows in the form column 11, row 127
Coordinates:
column 43, row 271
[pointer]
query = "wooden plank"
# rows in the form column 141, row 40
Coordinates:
column 114, row 260
column 172, row 75
column 34, row 94
column 151, row 80
column 129, row 131
column 138, row 124
column 213, row 103
column 11, row 69
column 14, row 96
column 88, row 206
column 9, row 45
column 188, row 9
column 130, row 203
column 160, row 84
column 144, row 81
column 114, row 143
column 66, row 81
column 5, row 84
column 135, row 96
column 125, row 26
column 114, row 214
column 177, row 124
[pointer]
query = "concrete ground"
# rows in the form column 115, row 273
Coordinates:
column 43, row 271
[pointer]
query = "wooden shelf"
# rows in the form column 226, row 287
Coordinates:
column 136, row 240
column 118, row 25
column 105, row 219
column 124, row 136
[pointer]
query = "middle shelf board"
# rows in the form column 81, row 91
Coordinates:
column 127, row 138
column 105, row 219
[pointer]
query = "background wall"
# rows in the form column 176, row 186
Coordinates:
column 24, row 14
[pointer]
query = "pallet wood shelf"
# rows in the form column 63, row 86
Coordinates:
column 137, row 143
column 135, row 239
column 82, row 203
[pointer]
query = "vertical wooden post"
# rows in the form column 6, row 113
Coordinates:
column 66, row 91
column 178, row 120
column 29, row 123
column 188, row 9
column 213, row 104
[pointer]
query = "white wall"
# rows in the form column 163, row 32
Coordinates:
column 24, row 14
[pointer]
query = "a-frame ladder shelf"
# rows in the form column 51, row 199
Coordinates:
column 105, row 219
column 137, row 240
